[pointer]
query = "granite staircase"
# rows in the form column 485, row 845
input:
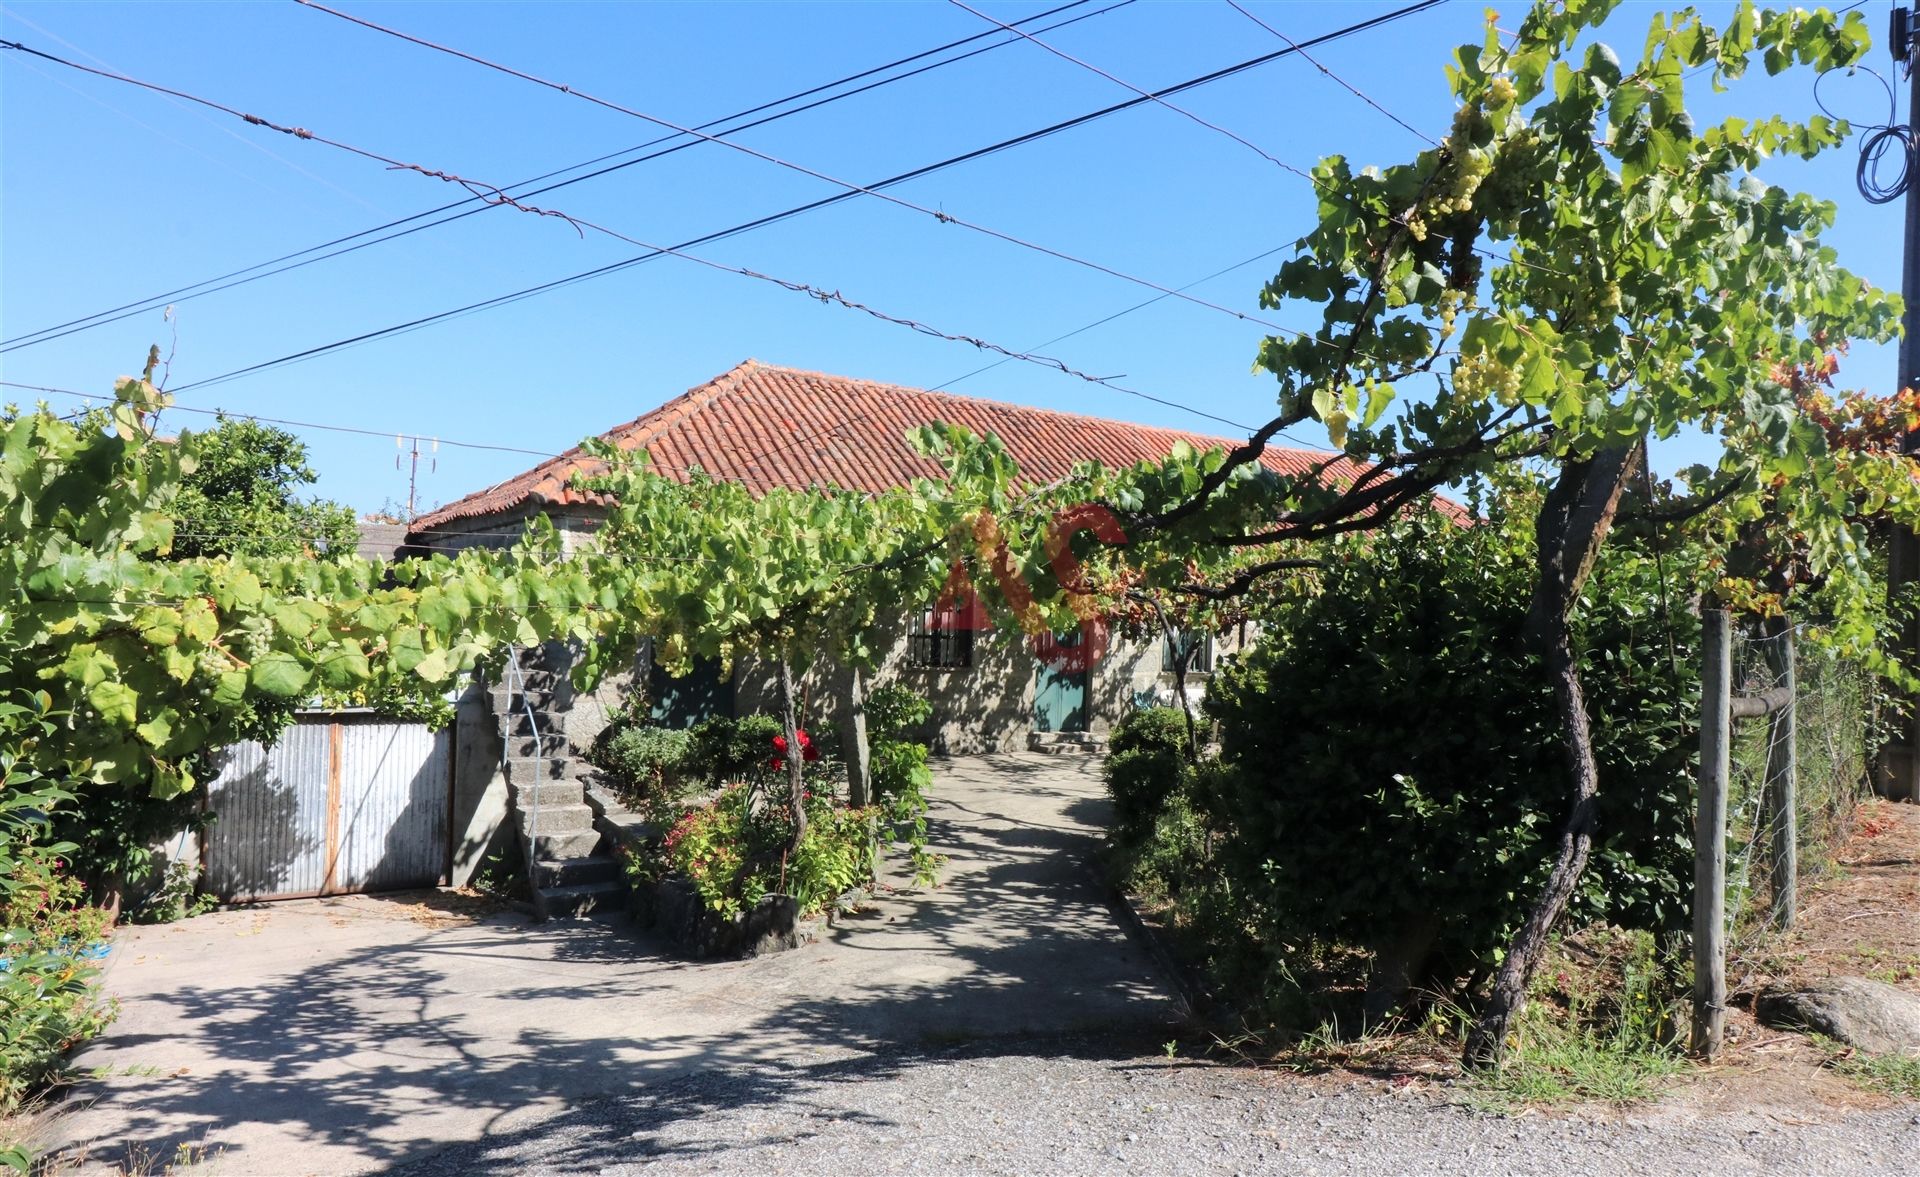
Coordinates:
column 573, row 870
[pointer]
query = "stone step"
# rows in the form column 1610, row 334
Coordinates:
column 526, row 770
column 528, row 747
column 548, row 793
column 575, row 872
column 560, row 902
column 503, row 700
column 579, row 844
column 516, row 723
column 556, row 819
column 1065, row 743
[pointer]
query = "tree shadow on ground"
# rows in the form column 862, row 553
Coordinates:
column 464, row 1031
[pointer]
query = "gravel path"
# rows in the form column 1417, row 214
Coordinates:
column 1088, row 1107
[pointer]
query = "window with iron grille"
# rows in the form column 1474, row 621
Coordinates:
column 936, row 639
column 1195, row 645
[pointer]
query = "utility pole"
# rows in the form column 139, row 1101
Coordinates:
column 1899, row 770
column 413, row 470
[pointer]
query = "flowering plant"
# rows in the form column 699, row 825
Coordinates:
column 808, row 752
column 732, row 856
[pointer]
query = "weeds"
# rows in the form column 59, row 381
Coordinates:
column 1887, row 1074
column 1602, row 1028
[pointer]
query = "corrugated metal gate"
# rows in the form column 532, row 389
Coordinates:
column 343, row 801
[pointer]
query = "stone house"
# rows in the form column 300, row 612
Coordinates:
column 766, row 426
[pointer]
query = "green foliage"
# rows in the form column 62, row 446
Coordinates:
column 723, row 750
column 1601, row 1030
column 49, row 1001
column 177, row 897
column 1579, row 264
column 241, row 498
column 642, row 761
column 900, row 773
column 151, row 662
column 1147, row 768
column 48, row 984
column 113, row 832
column 896, row 712
column 730, row 851
column 1887, row 1074
column 1390, row 755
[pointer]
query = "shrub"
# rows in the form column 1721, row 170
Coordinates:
column 642, row 763
column 896, row 712
column 898, row 768
column 711, row 844
column 1150, row 728
column 1391, row 774
column 49, row 999
column 724, row 750
column 1148, row 766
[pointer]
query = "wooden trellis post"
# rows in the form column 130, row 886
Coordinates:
column 1710, row 835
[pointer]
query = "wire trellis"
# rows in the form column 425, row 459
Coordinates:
column 1837, row 722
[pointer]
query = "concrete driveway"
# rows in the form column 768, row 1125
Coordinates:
column 343, row 1035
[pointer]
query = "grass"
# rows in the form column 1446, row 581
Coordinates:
column 1573, row 1069
column 1601, row 1028
column 1885, row 1074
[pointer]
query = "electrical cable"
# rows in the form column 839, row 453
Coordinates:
column 240, row 277
column 382, row 433
column 1877, row 140
column 421, row 322
column 938, row 214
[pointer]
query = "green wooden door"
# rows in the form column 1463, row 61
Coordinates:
column 1060, row 699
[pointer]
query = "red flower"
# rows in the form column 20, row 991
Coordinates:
column 808, row 752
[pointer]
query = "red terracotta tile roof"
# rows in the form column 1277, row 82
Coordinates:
column 766, row 426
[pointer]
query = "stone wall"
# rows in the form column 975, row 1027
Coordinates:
column 987, row 707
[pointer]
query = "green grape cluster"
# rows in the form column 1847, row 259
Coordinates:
column 1482, row 374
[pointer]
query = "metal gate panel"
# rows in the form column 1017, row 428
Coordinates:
column 269, row 832
column 341, row 802
column 394, row 784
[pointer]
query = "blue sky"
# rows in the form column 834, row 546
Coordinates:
column 109, row 194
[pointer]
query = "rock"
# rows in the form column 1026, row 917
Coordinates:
column 1867, row 1015
column 773, row 925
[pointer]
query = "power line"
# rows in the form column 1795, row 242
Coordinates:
column 965, row 157
column 1101, row 322
column 495, row 195
column 937, row 214
column 274, row 266
column 1320, row 185
column 1349, row 86
column 1090, row 67
column 381, row 433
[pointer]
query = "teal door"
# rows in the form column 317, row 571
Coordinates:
column 1060, row 699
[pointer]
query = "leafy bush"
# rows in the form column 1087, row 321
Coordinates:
column 900, row 774
column 48, row 986
column 49, row 1001
column 643, row 762
column 711, row 844
column 1391, row 778
column 896, row 712
column 725, row 750
column 1148, row 766
column 1148, row 729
